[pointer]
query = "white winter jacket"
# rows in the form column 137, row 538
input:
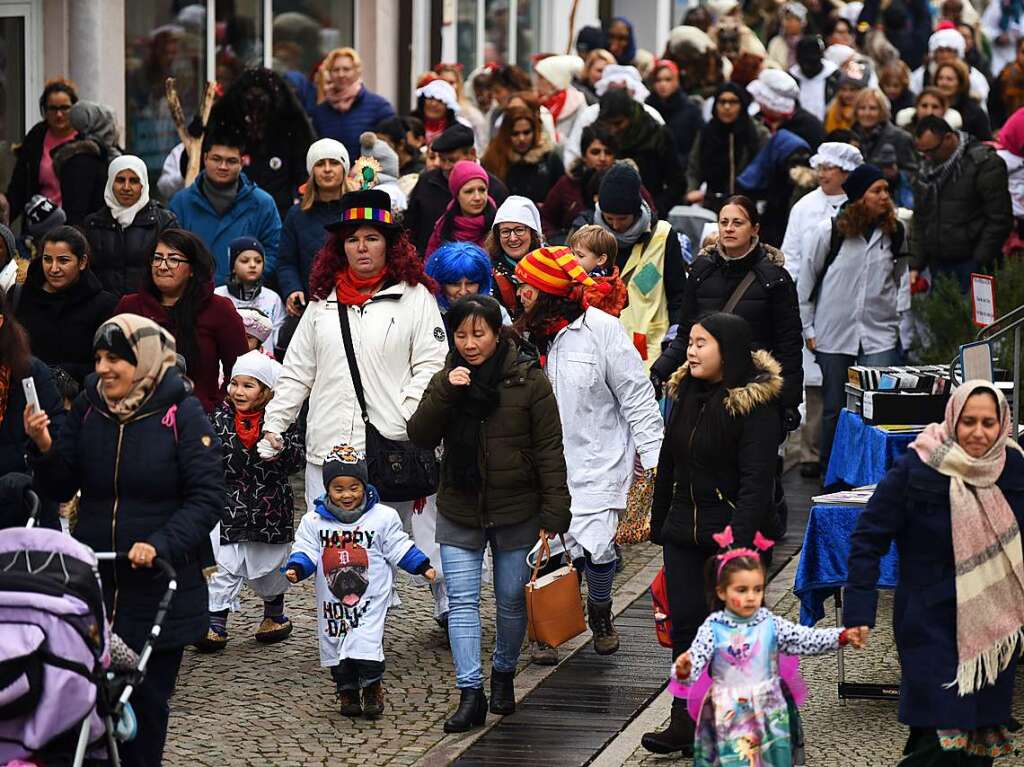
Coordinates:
column 607, row 408
column 399, row 341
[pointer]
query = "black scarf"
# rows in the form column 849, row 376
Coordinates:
column 714, row 141
column 244, row 292
column 477, row 402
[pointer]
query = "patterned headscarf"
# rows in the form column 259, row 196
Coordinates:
column 153, row 349
column 986, row 543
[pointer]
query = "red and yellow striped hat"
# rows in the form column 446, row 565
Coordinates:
column 555, row 270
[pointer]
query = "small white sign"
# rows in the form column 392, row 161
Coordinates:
column 983, row 299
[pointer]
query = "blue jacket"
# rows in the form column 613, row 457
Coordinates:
column 414, row 561
column 367, row 110
column 156, row 478
column 254, row 214
column 911, row 507
column 302, row 236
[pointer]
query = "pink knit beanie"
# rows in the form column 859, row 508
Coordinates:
column 464, row 172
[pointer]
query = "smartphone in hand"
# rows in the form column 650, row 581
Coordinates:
column 29, row 385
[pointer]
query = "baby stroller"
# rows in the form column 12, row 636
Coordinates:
column 65, row 678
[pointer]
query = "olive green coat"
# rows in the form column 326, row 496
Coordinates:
column 521, row 458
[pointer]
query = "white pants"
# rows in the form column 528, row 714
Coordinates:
column 258, row 564
column 420, row 526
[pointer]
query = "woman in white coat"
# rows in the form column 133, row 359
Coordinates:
column 608, row 411
column 369, row 269
column 833, row 163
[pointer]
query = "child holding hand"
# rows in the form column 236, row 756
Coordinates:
column 352, row 541
column 745, row 716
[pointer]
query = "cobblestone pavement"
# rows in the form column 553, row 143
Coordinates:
column 853, row 733
column 275, row 705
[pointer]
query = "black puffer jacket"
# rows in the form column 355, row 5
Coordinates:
column 81, row 167
column 120, row 255
column 259, row 506
column 683, row 119
column 61, row 325
column 156, row 478
column 25, row 178
column 770, row 305
column 969, row 218
column 429, row 199
column 720, row 471
column 521, row 456
column 873, row 140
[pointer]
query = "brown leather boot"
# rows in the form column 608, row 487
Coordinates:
column 373, row 700
column 599, row 616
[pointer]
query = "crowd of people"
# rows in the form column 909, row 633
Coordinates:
column 515, row 274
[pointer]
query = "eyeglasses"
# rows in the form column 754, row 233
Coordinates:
column 169, row 262
column 230, row 162
column 58, row 108
column 517, row 233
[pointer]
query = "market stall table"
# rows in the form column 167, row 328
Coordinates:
column 861, row 454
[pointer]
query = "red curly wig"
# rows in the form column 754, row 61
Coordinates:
column 402, row 262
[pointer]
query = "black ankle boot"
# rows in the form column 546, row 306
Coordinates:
column 503, row 692
column 472, row 711
column 678, row 736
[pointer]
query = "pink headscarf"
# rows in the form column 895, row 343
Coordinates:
column 1011, row 135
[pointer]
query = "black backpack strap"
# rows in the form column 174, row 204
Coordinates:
column 897, row 240
column 835, row 243
column 350, row 355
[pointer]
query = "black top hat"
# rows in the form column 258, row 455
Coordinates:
column 368, row 206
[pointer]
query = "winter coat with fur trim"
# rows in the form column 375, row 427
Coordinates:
column 770, row 305
column 534, row 173
column 722, row 470
column 81, row 167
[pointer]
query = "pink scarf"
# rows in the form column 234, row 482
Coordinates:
column 986, row 544
column 341, row 96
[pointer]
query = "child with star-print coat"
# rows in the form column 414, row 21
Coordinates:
column 256, row 527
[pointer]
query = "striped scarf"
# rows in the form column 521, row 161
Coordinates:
column 986, row 545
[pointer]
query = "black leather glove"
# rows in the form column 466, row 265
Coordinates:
column 658, row 385
column 790, row 419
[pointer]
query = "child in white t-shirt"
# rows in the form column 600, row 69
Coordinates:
column 352, row 542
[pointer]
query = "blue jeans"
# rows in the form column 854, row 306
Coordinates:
column 833, row 389
column 462, row 569
column 958, row 270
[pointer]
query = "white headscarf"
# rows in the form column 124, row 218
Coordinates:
column 124, row 216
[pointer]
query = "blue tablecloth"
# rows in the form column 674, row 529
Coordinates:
column 861, row 454
column 822, row 566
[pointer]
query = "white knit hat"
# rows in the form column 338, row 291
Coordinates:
column 947, row 38
column 720, row 8
column 326, row 149
column 559, row 70
column 843, row 156
column 258, row 365
column 519, row 210
column 625, row 75
column 440, row 90
column 775, row 90
column 686, row 37
column 839, row 54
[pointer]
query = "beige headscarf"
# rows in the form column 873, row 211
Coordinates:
column 153, row 348
column 986, row 544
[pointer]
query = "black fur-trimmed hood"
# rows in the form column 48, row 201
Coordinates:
column 764, row 387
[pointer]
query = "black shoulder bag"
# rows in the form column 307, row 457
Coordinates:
column 399, row 470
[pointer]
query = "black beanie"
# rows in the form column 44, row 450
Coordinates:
column 735, row 341
column 620, row 191
column 860, row 179
column 241, row 244
column 344, row 461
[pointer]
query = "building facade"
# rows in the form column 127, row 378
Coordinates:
column 121, row 52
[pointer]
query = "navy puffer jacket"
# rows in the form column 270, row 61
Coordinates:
column 156, row 478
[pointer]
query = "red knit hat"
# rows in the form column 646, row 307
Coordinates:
column 556, row 270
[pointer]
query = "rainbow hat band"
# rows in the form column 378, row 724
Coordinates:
column 368, row 214
column 372, row 206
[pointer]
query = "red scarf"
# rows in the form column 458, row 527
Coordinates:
column 247, row 427
column 434, row 128
column 556, row 103
column 348, row 286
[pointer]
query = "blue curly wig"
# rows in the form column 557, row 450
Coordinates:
column 454, row 261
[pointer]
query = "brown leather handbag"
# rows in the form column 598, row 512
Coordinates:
column 554, row 606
